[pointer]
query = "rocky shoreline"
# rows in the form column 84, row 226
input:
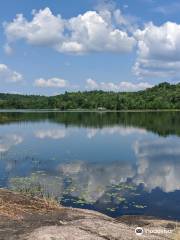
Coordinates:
column 30, row 218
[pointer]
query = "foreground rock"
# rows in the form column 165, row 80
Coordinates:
column 25, row 218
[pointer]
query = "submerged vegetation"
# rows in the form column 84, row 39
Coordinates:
column 113, row 200
column 162, row 96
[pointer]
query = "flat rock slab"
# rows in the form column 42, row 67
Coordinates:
column 92, row 230
column 30, row 218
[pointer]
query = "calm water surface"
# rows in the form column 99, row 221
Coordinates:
column 115, row 163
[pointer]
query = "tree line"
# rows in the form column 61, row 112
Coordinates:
column 162, row 96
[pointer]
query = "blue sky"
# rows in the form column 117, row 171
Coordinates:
column 53, row 46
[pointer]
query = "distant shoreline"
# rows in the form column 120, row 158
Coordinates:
column 162, row 97
column 87, row 110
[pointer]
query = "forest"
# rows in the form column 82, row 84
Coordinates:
column 162, row 96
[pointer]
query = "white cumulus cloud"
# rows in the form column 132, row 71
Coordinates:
column 88, row 32
column 121, row 86
column 8, row 50
column 51, row 83
column 44, row 29
column 8, row 75
column 158, row 50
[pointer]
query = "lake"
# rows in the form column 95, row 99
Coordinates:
column 116, row 163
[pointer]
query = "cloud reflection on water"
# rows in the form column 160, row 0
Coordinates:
column 51, row 133
column 154, row 175
column 9, row 140
column 158, row 164
column 123, row 131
